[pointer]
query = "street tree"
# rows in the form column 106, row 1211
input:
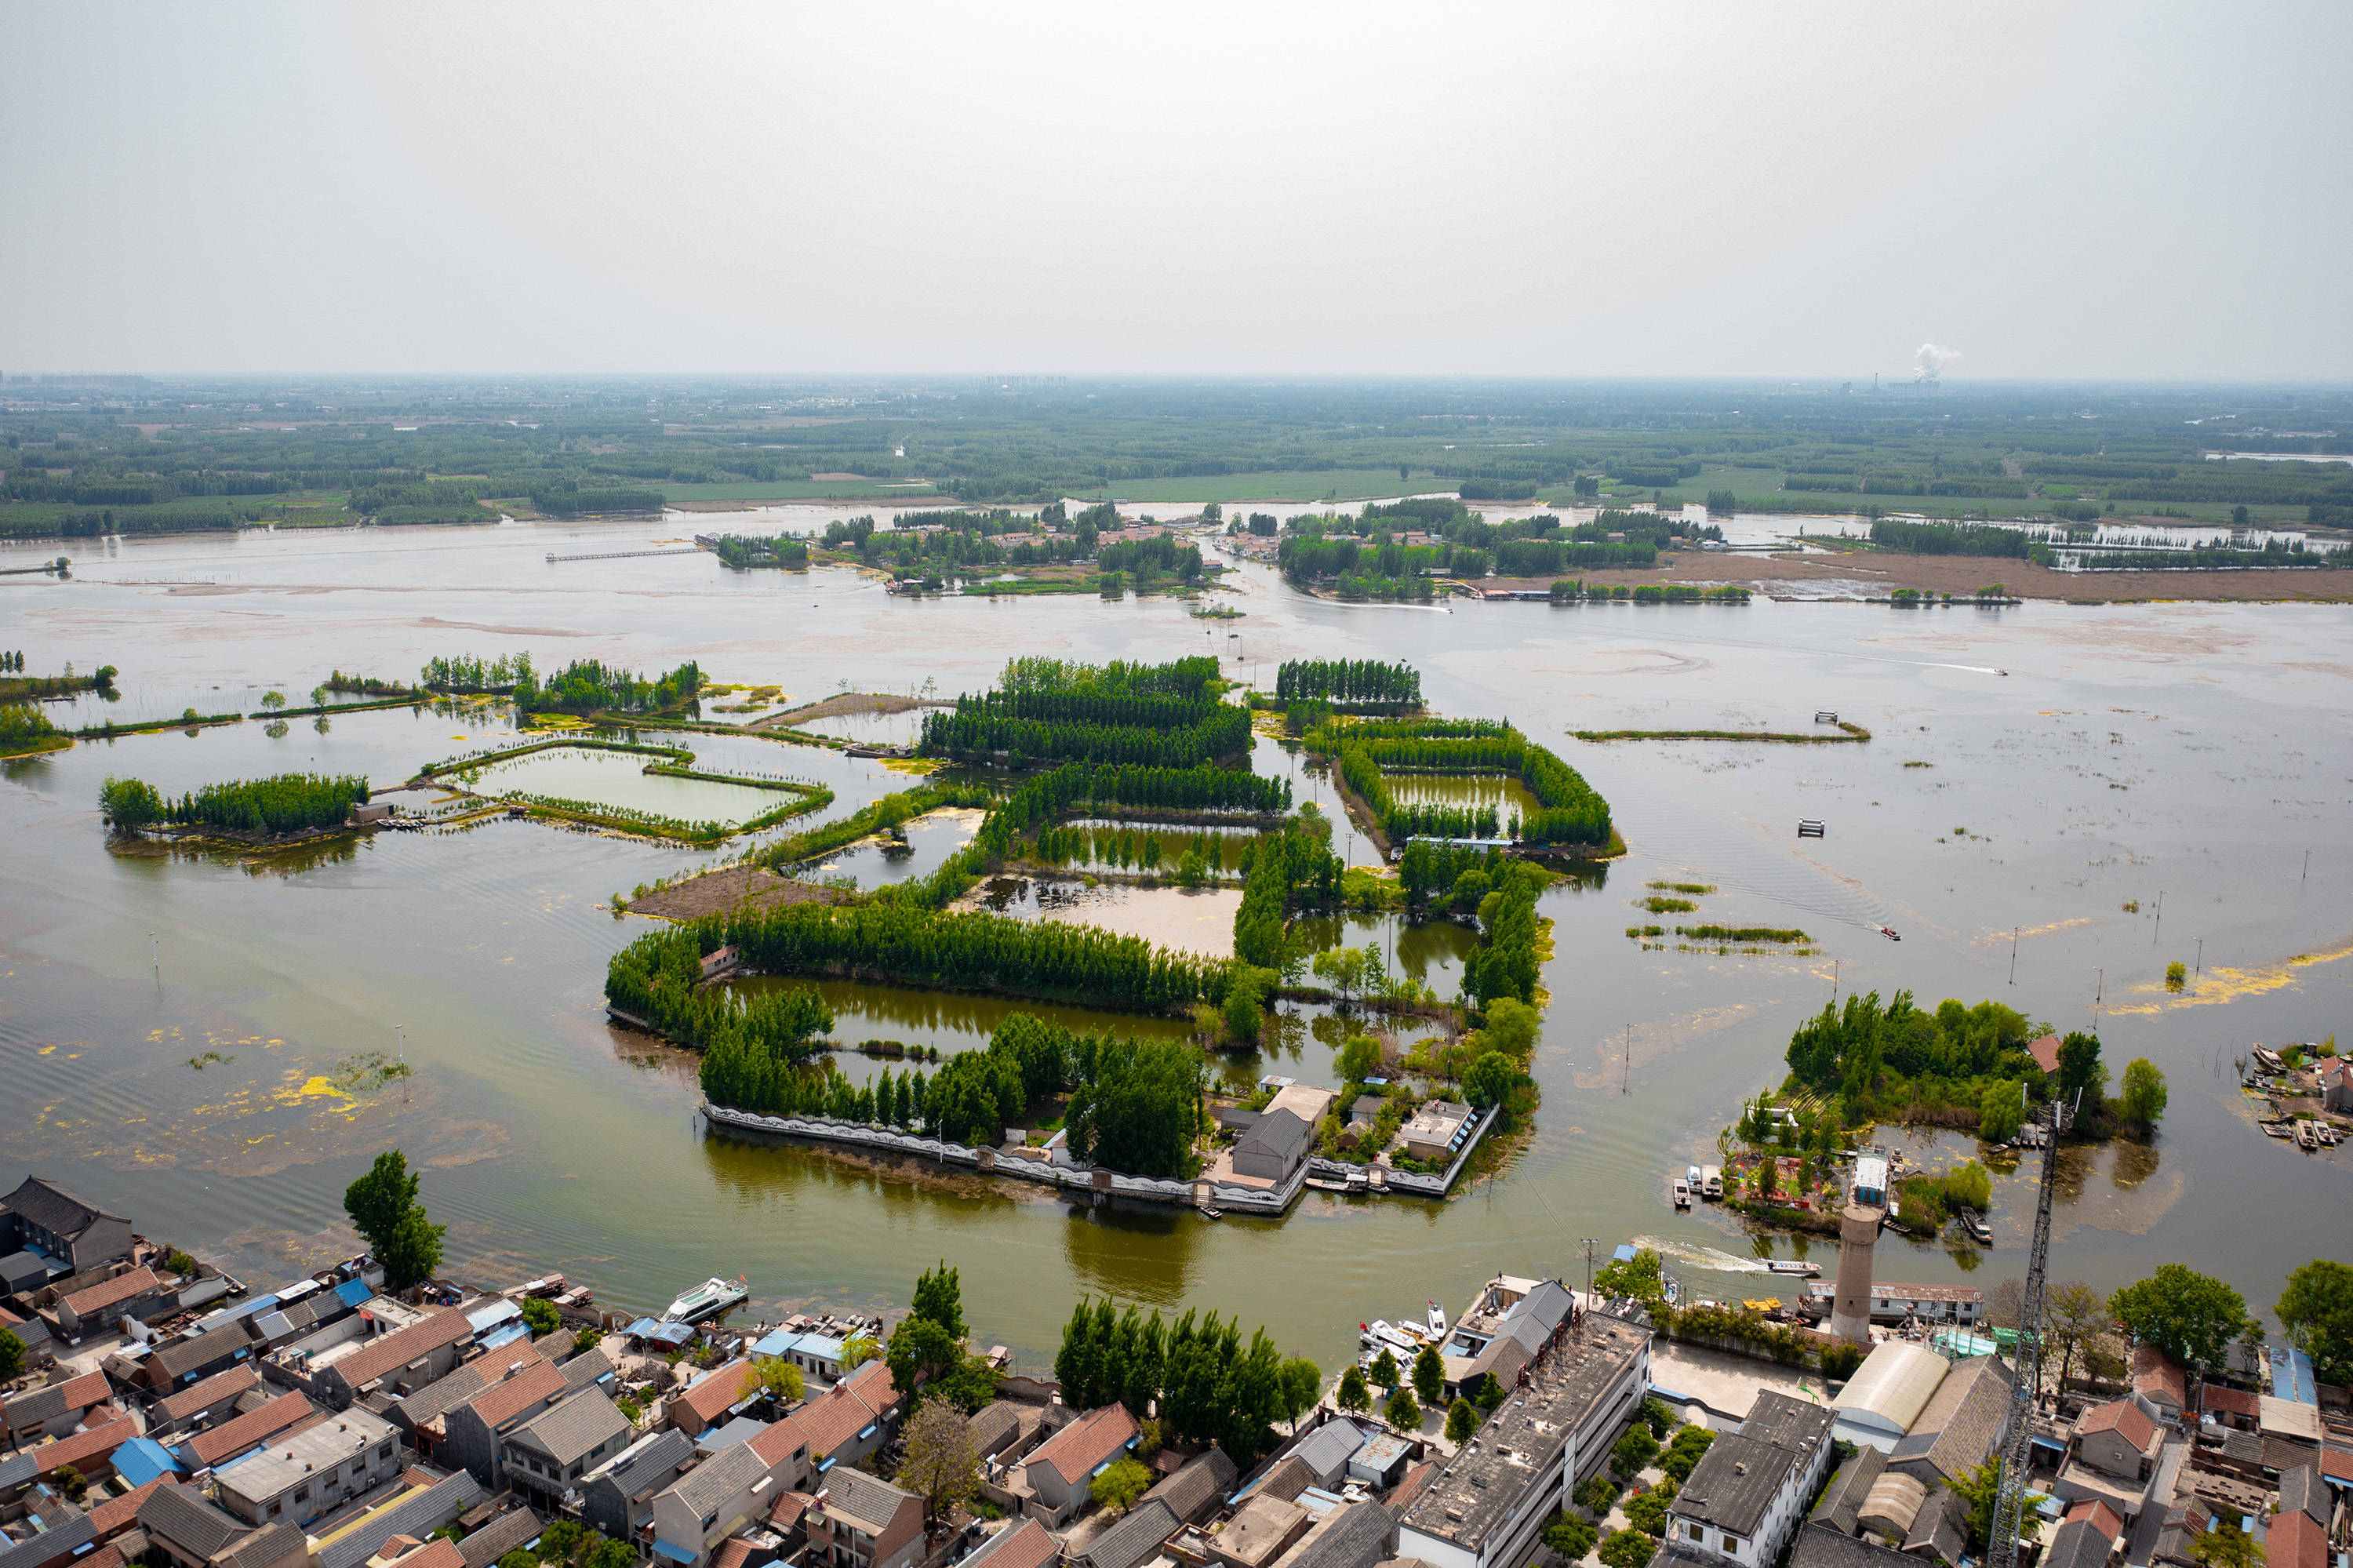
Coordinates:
column 2191, row 1317
column 942, row 1462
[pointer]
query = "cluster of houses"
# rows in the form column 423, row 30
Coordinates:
column 325, row 1425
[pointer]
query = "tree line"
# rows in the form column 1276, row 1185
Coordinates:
column 1506, row 964
column 287, row 803
column 786, row 550
column 1400, row 822
column 594, row 501
column 1197, row 1377
column 1962, row 1065
column 1345, row 681
column 1221, row 730
column 1948, row 538
column 465, row 673
column 1571, row 810
column 1281, row 872
column 590, row 686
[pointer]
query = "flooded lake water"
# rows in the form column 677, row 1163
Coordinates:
column 619, row 778
column 208, row 1083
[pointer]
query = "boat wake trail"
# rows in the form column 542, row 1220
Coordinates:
column 1696, row 1257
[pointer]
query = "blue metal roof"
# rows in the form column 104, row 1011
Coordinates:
column 675, row 1554
column 642, row 1328
column 1625, row 1253
column 775, row 1344
column 505, row 1336
column 2292, row 1375
column 484, row 1319
column 142, row 1460
column 351, row 1292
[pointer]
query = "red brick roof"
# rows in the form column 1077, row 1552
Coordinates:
column 218, row 1390
column 2045, row 1052
column 2337, row 1464
column 518, row 1393
column 397, row 1349
column 439, row 1553
column 1075, row 1451
column 733, row 1552
column 2103, row 1518
column 833, row 1419
column 2155, row 1374
column 789, row 1508
column 1029, row 1546
column 76, row 1393
column 118, row 1514
column 778, row 1442
column 108, row 1429
column 2293, row 1540
column 2227, row 1401
column 253, row 1427
column 2122, row 1416
column 709, row 1399
column 128, row 1285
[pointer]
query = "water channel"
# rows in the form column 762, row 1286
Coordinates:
column 213, row 1080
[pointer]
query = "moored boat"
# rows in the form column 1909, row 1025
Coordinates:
column 1790, row 1265
column 708, row 1299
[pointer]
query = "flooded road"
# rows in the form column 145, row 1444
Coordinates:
column 213, row 1081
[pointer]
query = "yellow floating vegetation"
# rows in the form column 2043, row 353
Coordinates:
column 2225, row 984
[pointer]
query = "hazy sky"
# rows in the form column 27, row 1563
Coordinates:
column 2146, row 189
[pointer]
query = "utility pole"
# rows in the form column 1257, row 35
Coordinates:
column 2099, row 995
column 2013, row 955
column 1625, row 1072
column 2202, row 955
column 1590, row 1244
column 1834, row 983
column 2160, row 918
column 157, row 949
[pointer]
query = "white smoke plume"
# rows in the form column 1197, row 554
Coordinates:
column 1928, row 363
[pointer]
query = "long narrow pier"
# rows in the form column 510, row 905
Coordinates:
column 620, row 555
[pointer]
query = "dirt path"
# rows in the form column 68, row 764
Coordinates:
column 1962, row 576
column 726, row 891
column 847, row 703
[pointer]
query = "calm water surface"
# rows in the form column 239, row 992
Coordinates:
column 2198, row 752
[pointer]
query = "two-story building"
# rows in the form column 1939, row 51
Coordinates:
column 52, row 1410
column 706, row 1402
column 1750, row 1491
column 70, row 1234
column 616, row 1497
column 100, row 1309
column 471, row 1433
column 544, row 1455
column 858, row 1521
column 304, row 1474
column 740, row 1483
column 396, row 1364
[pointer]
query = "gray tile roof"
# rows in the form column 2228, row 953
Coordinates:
column 1842, row 1499
column 178, row 1357
column 52, row 1208
column 180, row 1514
column 2075, row 1544
column 49, row 1546
column 565, row 1432
column 867, row 1498
column 1962, row 1420
column 275, row 1543
column 1287, row 1479
column 2302, row 1488
column 1356, row 1536
column 1278, row 1135
column 1327, row 1448
column 1737, row 1479
column 1197, row 1486
column 1941, row 1529
column 707, row 1486
column 1134, row 1540
column 994, row 1425
column 1819, row 1546
column 439, row 1397
column 586, row 1367
column 648, row 1465
column 517, row 1527
column 418, row 1514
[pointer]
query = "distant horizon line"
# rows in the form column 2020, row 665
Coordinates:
column 1770, row 381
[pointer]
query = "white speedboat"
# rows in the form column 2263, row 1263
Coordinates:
column 707, row 1299
column 1792, row 1266
column 1437, row 1323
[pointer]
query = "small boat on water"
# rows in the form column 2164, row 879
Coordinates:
column 1213, row 1213
column 1693, row 1180
column 1889, row 932
column 1682, row 1194
column 708, row 1299
column 1437, row 1321
column 1794, row 1267
column 1327, row 1184
column 1975, row 1224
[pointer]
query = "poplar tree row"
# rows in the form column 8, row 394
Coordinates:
column 1348, row 681
column 1202, row 1381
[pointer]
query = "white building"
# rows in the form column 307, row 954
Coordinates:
column 1749, row 1493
